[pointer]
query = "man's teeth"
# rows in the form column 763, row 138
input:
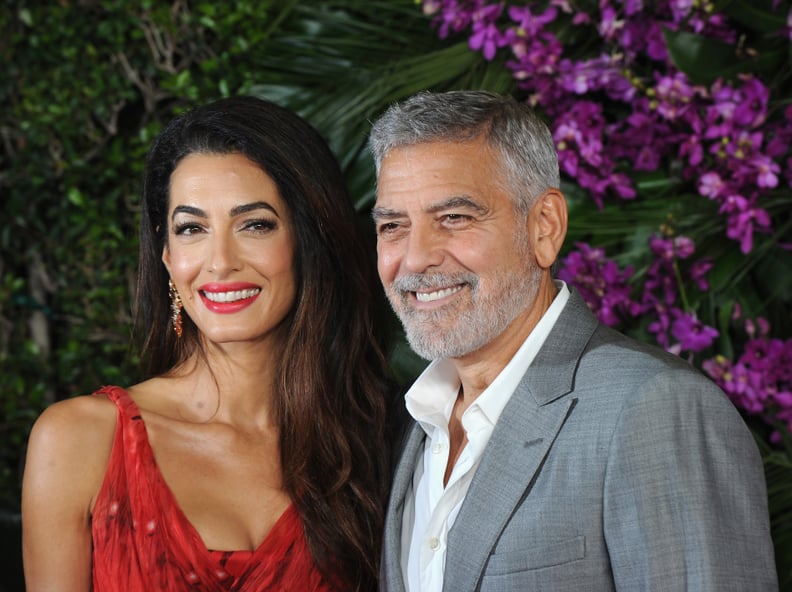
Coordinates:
column 430, row 296
column 231, row 296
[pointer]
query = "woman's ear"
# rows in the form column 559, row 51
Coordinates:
column 548, row 226
column 166, row 257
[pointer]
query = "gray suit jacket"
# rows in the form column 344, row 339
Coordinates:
column 614, row 466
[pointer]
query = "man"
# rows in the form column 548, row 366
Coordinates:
column 548, row 452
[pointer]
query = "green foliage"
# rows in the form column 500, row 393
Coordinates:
column 759, row 51
column 86, row 88
column 88, row 85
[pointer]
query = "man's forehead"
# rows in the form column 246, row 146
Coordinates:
column 428, row 175
column 435, row 150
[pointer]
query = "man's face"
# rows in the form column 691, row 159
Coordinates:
column 453, row 254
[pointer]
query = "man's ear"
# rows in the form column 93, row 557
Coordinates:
column 547, row 222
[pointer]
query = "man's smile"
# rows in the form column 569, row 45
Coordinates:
column 437, row 294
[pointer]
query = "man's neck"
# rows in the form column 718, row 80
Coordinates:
column 478, row 369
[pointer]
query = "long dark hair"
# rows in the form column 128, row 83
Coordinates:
column 332, row 377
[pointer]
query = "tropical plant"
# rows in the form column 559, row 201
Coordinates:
column 88, row 85
column 673, row 125
column 86, row 89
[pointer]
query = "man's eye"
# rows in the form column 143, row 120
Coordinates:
column 387, row 227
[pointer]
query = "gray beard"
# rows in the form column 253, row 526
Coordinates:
column 462, row 327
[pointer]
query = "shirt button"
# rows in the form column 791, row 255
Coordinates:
column 437, row 449
column 434, row 543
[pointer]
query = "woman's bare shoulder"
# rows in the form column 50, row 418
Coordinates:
column 72, row 438
column 67, row 456
column 80, row 419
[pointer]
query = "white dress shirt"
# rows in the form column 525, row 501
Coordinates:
column 431, row 508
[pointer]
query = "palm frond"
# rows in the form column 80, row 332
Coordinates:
column 369, row 55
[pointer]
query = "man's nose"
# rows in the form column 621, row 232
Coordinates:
column 423, row 249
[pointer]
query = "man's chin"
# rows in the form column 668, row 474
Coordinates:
column 435, row 345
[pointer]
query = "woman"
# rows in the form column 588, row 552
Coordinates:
column 252, row 458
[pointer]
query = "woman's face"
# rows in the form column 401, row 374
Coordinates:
column 230, row 248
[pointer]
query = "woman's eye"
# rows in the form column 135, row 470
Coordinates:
column 260, row 226
column 187, row 229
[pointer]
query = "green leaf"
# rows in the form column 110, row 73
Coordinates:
column 26, row 17
column 756, row 15
column 75, row 196
column 703, row 59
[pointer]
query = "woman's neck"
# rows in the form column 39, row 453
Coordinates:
column 230, row 384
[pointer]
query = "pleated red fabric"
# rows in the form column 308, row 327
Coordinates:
column 143, row 541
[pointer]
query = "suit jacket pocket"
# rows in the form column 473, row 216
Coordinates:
column 537, row 556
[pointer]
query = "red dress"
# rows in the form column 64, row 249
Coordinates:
column 142, row 541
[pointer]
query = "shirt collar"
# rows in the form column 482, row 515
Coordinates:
column 431, row 398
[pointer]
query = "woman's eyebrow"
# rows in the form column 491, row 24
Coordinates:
column 191, row 210
column 249, row 207
column 235, row 211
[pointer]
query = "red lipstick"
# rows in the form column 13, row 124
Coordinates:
column 228, row 298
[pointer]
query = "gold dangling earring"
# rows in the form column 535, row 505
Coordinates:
column 176, row 307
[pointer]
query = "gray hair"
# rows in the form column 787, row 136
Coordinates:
column 516, row 133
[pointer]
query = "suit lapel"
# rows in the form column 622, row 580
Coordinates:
column 510, row 462
column 391, row 574
column 519, row 444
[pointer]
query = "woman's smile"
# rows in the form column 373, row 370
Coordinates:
column 228, row 298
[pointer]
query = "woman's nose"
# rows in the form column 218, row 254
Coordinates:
column 224, row 256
